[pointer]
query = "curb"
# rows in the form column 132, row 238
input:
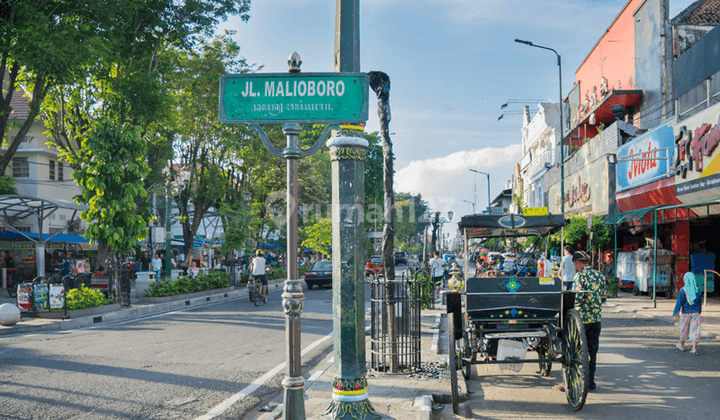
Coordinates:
column 425, row 403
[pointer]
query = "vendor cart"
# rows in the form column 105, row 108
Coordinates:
column 493, row 317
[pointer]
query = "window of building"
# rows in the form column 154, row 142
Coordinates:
column 52, row 170
column 21, row 167
column 55, row 230
column 22, row 228
column 60, row 171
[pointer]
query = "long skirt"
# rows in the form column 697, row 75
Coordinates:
column 690, row 327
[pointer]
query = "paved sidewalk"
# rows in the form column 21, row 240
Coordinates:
column 393, row 396
column 662, row 309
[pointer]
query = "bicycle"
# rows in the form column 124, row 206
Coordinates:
column 256, row 292
column 252, row 290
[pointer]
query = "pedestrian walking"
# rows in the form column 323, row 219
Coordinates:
column 157, row 266
column 145, row 262
column 567, row 268
column 437, row 271
column 690, row 301
column 9, row 260
column 589, row 304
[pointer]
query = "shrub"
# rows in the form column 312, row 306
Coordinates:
column 183, row 285
column 85, row 298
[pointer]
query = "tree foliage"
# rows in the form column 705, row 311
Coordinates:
column 319, row 236
column 111, row 174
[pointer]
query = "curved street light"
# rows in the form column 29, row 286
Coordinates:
column 562, row 135
column 488, row 179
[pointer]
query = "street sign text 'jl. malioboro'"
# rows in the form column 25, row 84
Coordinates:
column 276, row 98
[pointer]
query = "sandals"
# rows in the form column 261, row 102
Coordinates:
column 678, row 348
column 694, row 353
column 559, row 387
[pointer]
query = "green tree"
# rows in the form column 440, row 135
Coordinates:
column 576, row 232
column 319, row 236
column 44, row 44
column 111, row 173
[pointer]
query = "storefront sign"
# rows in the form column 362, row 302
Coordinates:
column 578, row 192
column 697, row 160
column 586, row 191
column 646, row 158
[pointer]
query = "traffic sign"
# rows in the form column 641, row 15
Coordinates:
column 276, row 98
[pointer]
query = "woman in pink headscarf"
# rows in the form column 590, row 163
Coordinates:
column 690, row 301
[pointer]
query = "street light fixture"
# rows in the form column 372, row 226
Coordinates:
column 562, row 135
column 473, row 205
column 488, row 179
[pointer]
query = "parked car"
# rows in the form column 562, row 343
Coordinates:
column 400, row 258
column 374, row 264
column 320, row 274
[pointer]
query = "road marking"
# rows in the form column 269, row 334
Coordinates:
column 248, row 390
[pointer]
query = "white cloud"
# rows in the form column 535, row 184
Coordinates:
column 446, row 181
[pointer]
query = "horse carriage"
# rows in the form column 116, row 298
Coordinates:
column 491, row 316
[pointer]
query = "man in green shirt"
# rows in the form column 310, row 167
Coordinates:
column 589, row 304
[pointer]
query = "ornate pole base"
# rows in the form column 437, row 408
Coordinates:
column 350, row 401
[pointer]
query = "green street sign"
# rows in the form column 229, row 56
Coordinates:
column 277, row 98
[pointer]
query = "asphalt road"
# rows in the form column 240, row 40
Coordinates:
column 177, row 365
column 639, row 376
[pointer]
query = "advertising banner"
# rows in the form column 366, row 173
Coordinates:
column 697, row 157
column 647, row 158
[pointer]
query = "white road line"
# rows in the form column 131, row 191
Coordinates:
column 248, row 390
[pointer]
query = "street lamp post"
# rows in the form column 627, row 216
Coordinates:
column 294, row 382
column 488, row 179
column 562, row 135
column 184, row 177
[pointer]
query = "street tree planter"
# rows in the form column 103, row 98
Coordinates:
column 78, row 313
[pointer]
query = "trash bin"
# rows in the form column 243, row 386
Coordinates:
column 40, row 295
column 25, row 296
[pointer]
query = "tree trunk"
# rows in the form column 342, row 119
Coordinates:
column 380, row 83
column 435, row 225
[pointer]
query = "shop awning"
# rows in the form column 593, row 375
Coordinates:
column 603, row 112
column 668, row 213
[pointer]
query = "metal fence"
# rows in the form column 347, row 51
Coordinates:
column 395, row 331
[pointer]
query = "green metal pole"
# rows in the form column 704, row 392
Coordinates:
column 350, row 398
column 654, row 299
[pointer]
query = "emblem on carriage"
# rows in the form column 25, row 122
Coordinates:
column 512, row 285
column 513, row 221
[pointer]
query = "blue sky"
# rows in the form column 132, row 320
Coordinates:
column 452, row 64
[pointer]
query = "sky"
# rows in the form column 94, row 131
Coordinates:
column 452, row 64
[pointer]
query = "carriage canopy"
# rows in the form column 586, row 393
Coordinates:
column 510, row 225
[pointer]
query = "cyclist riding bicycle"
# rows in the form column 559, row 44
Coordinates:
column 258, row 267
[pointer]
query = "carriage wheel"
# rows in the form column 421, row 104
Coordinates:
column 469, row 352
column 576, row 364
column 543, row 351
column 452, row 364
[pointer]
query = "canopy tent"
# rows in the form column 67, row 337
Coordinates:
column 12, row 235
column 17, row 207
